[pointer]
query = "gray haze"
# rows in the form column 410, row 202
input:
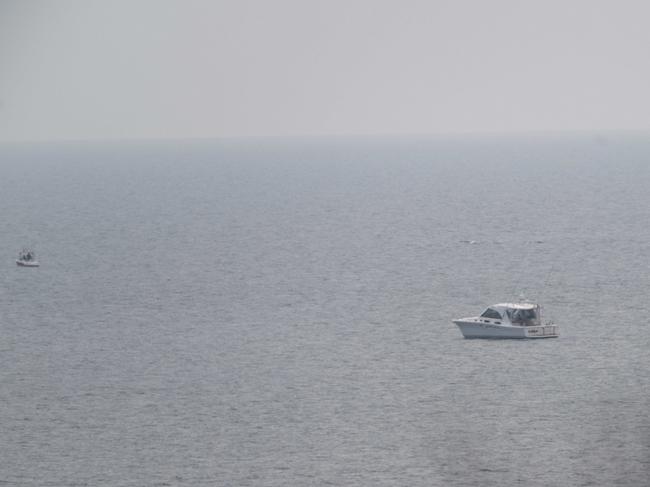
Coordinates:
column 121, row 69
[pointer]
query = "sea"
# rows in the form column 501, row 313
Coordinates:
column 278, row 311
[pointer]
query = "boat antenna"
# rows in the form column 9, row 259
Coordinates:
column 524, row 260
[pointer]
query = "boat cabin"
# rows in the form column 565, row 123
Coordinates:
column 26, row 255
column 519, row 314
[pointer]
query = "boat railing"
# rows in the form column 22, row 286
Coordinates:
column 543, row 330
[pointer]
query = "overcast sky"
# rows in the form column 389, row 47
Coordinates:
column 84, row 69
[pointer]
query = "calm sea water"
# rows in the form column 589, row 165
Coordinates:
column 278, row 312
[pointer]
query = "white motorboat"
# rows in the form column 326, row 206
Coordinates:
column 27, row 258
column 508, row 320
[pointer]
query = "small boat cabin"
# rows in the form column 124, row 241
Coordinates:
column 518, row 314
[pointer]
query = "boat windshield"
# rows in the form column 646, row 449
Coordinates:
column 491, row 313
column 523, row 315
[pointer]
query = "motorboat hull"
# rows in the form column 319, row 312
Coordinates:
column 23, row 263
column 483, row 329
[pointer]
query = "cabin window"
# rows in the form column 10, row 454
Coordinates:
column 524, row 315
column 491, row 313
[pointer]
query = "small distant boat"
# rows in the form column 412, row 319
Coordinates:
column 27, row 258
column 508, row 320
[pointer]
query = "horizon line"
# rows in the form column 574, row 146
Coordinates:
column 370, row 135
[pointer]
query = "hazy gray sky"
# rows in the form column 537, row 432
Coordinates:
column 78, row 69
